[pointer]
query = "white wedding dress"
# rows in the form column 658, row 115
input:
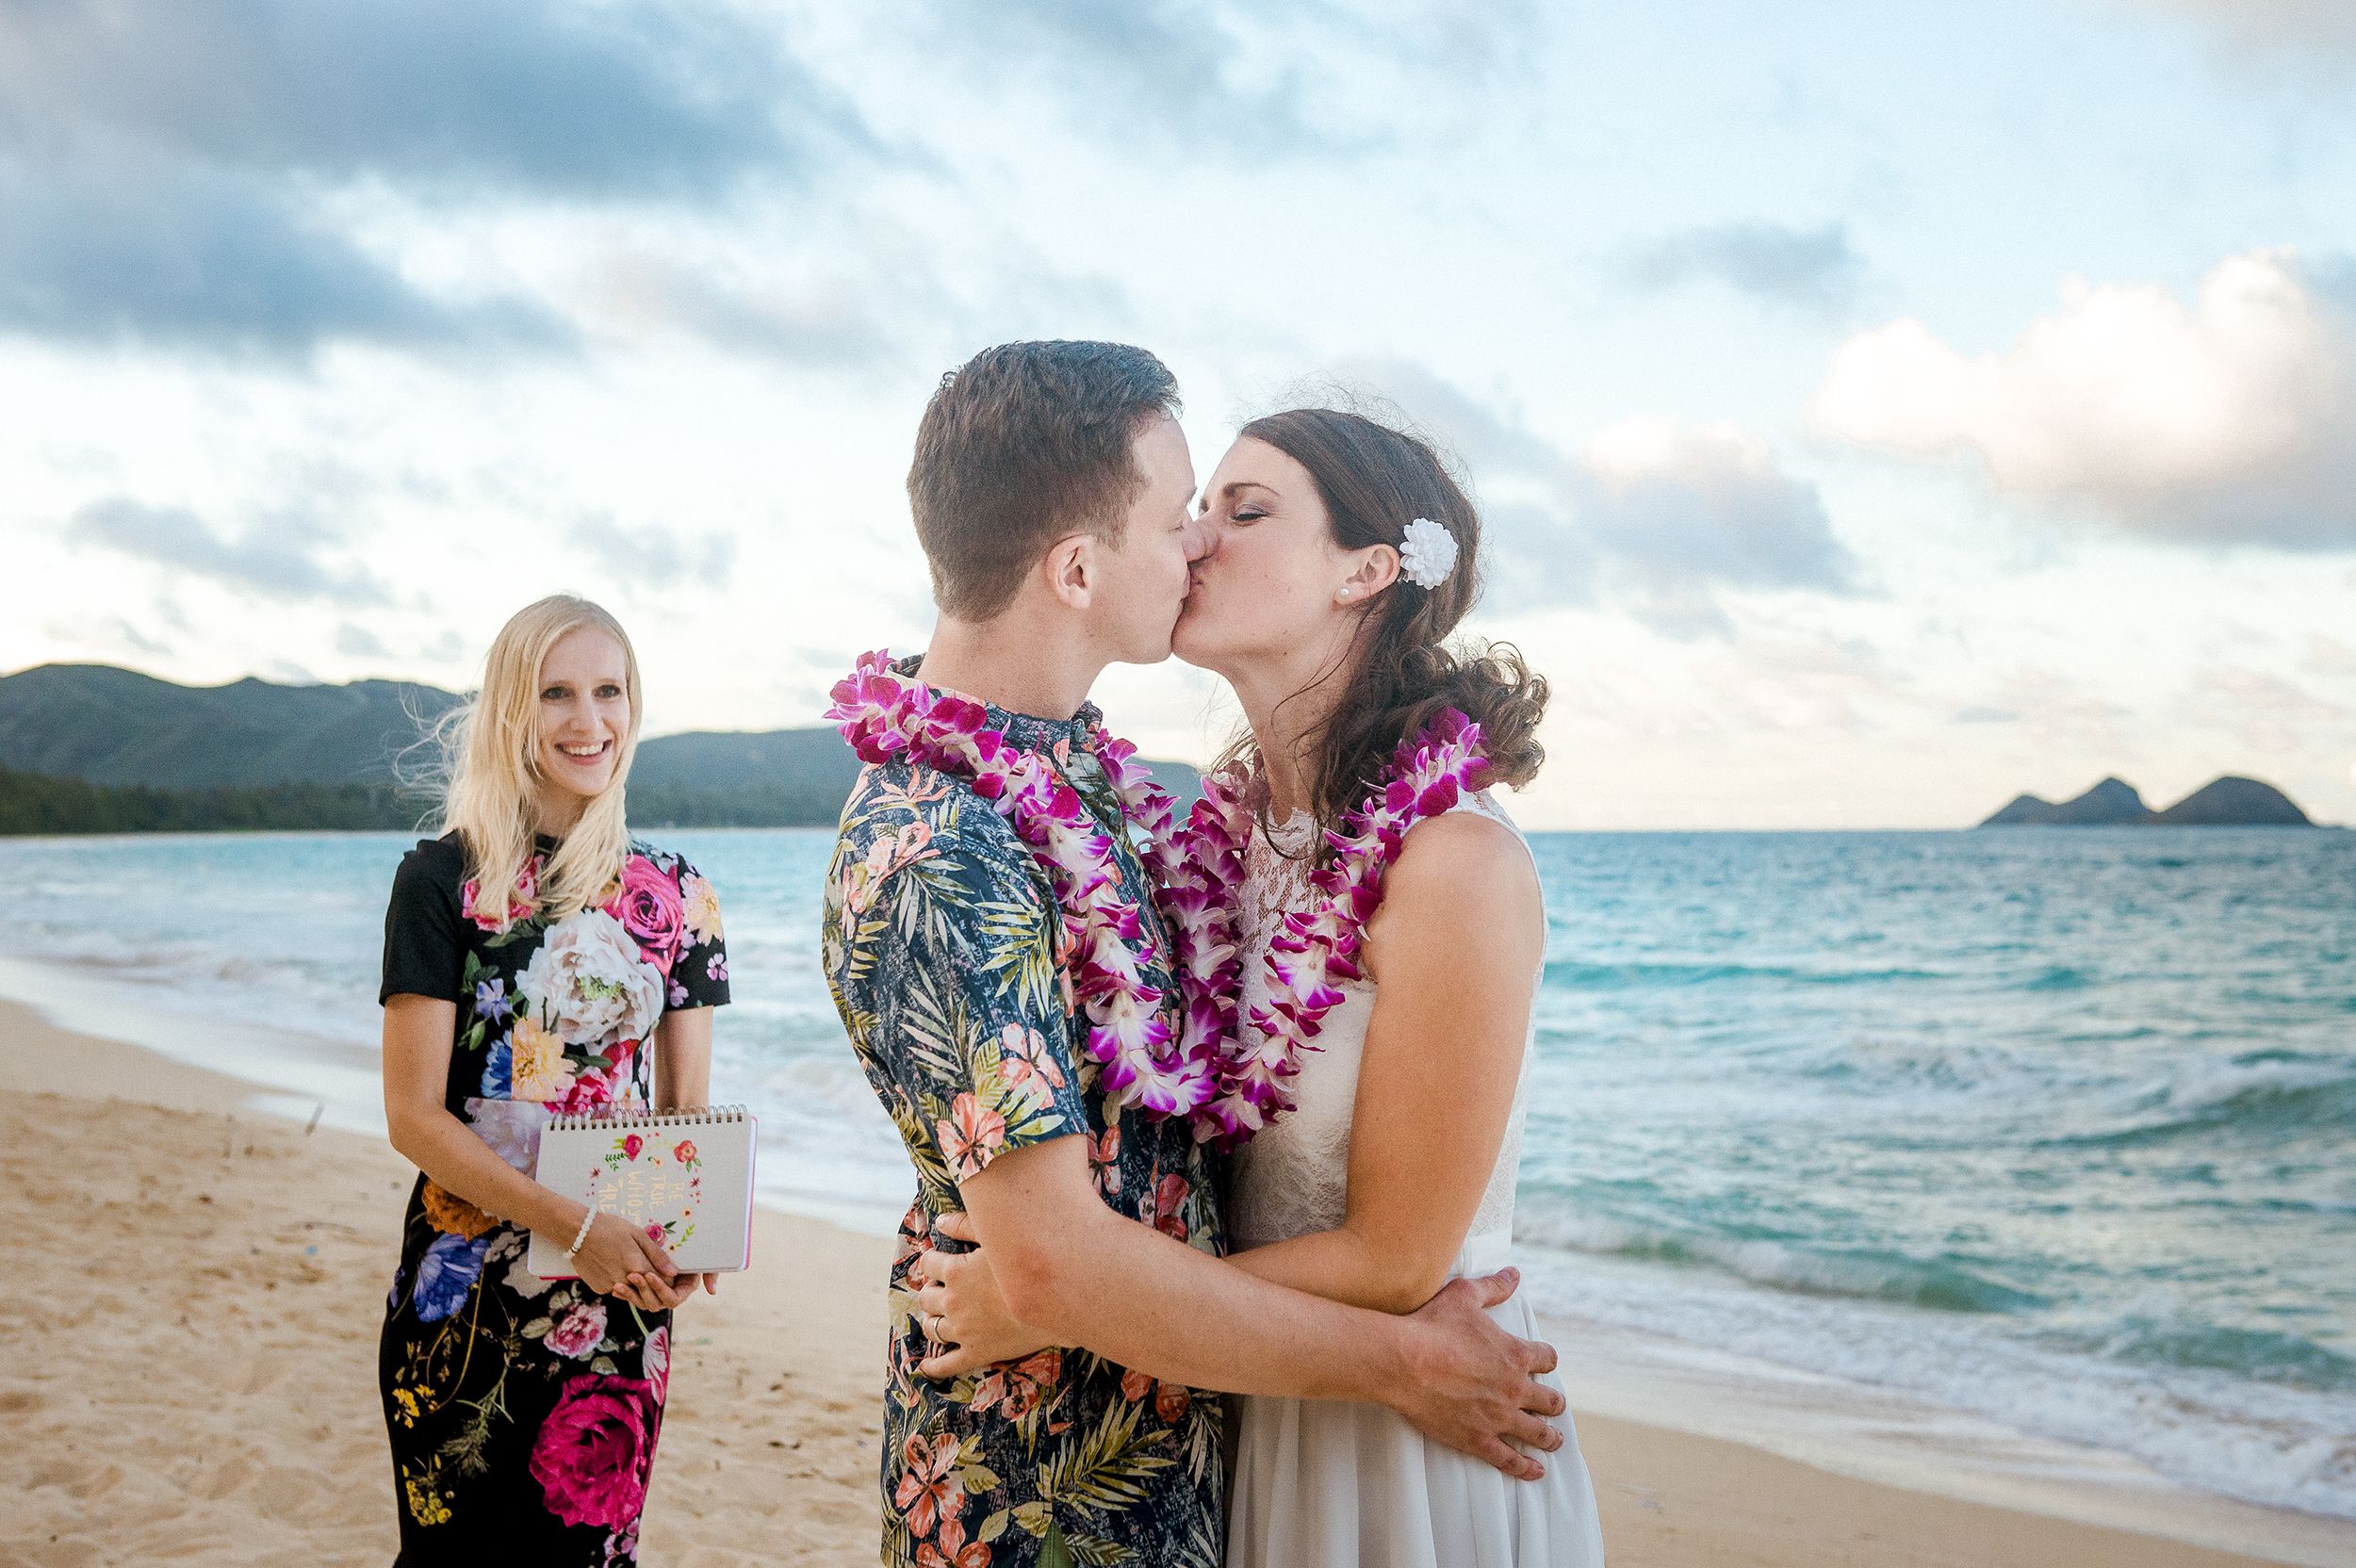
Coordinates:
column 1326, row 1484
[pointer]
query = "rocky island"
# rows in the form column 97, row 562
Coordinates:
column 2230, row 801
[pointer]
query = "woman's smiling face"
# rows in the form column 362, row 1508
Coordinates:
column 585, row 715
column 1269, row 586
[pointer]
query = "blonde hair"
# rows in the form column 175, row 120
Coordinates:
column 489, row 770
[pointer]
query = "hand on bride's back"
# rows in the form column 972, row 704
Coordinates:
column 1473, row 1386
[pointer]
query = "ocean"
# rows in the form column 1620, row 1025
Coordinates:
column 2057, row 1128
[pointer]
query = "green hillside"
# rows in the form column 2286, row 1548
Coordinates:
column 110, row 726
column 90, row 748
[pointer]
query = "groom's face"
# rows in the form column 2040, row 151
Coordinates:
column 1142, row 584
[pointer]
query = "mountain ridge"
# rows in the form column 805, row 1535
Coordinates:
column 2227, row 800
column 259, row 753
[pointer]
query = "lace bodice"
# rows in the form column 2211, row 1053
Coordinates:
column 1294, row 1178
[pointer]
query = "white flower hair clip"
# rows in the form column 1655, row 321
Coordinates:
column 1428, row 554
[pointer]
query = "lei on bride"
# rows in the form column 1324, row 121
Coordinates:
column 1209, row 1069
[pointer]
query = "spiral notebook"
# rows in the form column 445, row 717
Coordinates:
column 687, row 1173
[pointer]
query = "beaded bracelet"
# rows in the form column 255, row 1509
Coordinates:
column 587, row 1220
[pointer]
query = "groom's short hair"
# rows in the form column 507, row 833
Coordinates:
column 1022, row 445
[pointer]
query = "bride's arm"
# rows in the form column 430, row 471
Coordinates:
column 1460, row 933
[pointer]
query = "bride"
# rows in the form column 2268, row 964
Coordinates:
column 1345, row 556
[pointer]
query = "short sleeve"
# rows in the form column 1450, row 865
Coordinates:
column 425, row 944
column 699, row 976
column 946, row 978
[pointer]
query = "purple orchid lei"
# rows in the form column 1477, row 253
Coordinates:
column 886, row 718
column 1430, row 772
column 1205, row 1069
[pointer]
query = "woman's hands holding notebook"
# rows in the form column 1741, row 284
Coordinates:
column 619, row 1259
column 682, row 1287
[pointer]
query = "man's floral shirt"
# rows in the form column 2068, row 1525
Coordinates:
column 939, row 946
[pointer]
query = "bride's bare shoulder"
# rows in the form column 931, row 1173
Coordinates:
column 1465, row 874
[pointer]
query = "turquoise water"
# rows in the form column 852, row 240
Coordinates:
column 2057, row 1127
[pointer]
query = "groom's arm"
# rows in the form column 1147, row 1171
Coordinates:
column 1083, row 1275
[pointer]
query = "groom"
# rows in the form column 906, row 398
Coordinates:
column 1051, row 488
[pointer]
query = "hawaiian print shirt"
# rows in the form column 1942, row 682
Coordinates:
column 939, row 946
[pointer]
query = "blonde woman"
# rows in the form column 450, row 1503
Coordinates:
column 538, row 961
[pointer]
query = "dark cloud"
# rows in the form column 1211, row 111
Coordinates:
column 632, row 98
column 1652, row 518
column 1810, row 269
column 655, row 556
column 279, row 561
column 166, row 165
column 190, row 258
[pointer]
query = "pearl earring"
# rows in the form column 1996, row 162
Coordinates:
column 1344, row 594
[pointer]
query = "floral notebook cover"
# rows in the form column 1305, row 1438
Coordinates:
column 685, row 1176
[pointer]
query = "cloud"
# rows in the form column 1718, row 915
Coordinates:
column 281, row 562
column 190, row 258
column 169, row 168
column 2229, row 420
column 2263, row 711
column 654, row 558
column 1710, row 502
column 2054, row 708
column 355, row 640
column 1805, row 683
column 1171, row 70
column 632, row 98
column 2304, row 31
column 1245, row 82
column 112, row 633
column 882, row 300
column 878, row 303
column 1652, row 516
column 1814, row 270
column 828, row 323
column 447, row 647
column 2326, row 656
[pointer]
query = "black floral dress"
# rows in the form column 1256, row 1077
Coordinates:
column 523, row 1411
column 941, row 947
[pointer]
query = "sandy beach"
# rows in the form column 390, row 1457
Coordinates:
column 187, row 1374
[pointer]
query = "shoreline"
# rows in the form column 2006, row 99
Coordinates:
column 1684, row 1474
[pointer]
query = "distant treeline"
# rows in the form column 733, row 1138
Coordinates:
column 34, row 803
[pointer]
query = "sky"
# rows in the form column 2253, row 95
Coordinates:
column 1876, row 409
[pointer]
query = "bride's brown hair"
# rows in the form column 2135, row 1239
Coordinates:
column 1397, row 669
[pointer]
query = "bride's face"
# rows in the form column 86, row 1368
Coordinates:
column 1269, row 587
